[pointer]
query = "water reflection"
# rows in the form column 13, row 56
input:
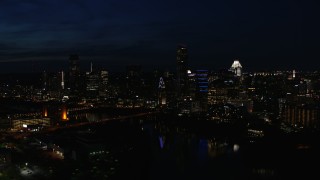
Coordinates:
column 181, row 153
column 236, row 147
column 161, row 140
column 263, row 172
column 180, row 138
column 216, row 148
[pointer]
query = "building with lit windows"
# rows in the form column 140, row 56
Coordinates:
column 162, row 99
column 302, row 115
column 202, row 89
column 103, row 83
column 182, row 74
column 92, row 81
column 34, row 124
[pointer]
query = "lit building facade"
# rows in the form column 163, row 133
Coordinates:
column 302, row 115
column 92, row 79
column 103, row 86
column 27, row 123
column 162, row 99
column 202, row 89
column 236, row 68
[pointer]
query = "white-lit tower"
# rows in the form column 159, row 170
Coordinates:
column 236, row 68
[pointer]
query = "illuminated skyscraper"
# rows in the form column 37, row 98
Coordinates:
column 182, row 67
column 133, row 80
column 92, row 81
column 162, row 100
column 202, row 89
column 96, row 81
column 236, row 68
column 103, row 86
column 104, row 77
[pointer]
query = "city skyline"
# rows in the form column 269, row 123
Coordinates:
column 183, row 124
column 114, row 33
column 86, row 65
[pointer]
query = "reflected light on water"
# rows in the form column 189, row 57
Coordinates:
column 161, row 142
column 236, row 148
column 216, row 148
column 263, row 172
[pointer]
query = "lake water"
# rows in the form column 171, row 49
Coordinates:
column 161, row 150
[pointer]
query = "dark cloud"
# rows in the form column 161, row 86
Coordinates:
column 147, row 31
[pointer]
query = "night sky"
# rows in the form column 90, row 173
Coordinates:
column 263, row 34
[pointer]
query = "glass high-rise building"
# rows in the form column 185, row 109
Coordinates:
column 74, row 72
column 76, row 79
column 202, row 89
column 182, row 68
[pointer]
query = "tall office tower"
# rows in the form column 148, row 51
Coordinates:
column 74, row 73
column 92, row 82
column 192, row 84
column 182, row 68
column 104, row 77
column 55, row 85
column 162, row 99
column 133, row 80
column 74, row 65
column 236, row 68
column 76, row 79
column 103, row 86
column 202, row 89
column 169, row 80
